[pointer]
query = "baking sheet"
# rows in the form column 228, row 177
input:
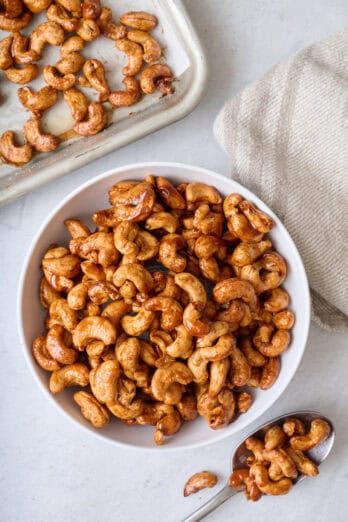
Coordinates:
column 182, row 52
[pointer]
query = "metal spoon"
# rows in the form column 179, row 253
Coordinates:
column 318, row 454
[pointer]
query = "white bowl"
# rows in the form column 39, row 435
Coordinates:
column 93, row 196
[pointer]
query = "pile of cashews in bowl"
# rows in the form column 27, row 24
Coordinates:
column 71, row 25
column 170, row 309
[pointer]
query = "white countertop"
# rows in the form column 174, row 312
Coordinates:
column 50, row 469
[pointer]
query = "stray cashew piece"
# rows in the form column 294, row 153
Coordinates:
column 198, row 481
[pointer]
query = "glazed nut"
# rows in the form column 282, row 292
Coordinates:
column 95, row 75
column 200, row 192
column 15, row 24
column 12, row 8
column 270, row 343
column 47, row 293
column 275, row 437
column 169, row 255
column 240, row 480
column 53, row 78
column 57, row 13
column 20, row 51
column 169, row 194
column 157, row 76
column 302, row 462
column 152, row 49
column 103, row 380
column 198, row 481
column 91, row 9
column 259, row 472
column 36, row 6
column 172, row 311
column 21, row 76
column 139, row 20
column 244, row 402
column 294, row 426
column 319, row 431
column 92, row 329
column 76, row 374
column 42, row 355
column 281, row 458
column 40, row 141
column 135, row 56
column 270, row 373
column 6, row 60
column 108, row 27
column 167, row 425
column 70, row 63
column 77, row 103
column 46, row 33
column 129, row 96
column 88, row 30
column 164, row 378
column 39, row 101
column 14, row 154
column 91, row 409
column 96, row 121
column 73, row 6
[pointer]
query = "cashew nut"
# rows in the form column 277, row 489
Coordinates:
column 77, row 102
column 14, row 154
column 36, row 6
column 91, row 9
column 259, row 220
column 46, row 33
column 169, row 194
column 97, row 120
column 91, row 409
column 76, row 374
column 248, row 253
column 156, row 76
column 274, row 271
column 218, row 411
column 200, row 192
column 192, row 286
column 280, row 457
column 91, row 329
column 187, row 406
column 234, row 288
column 244, row 402
column 55, row 269
column 103, row 380
column 135, row 56
column 12, row 8
column 95, row 75
column 137, row 324
column 139, row 20
column 294, row 426
column 108, row 27
column 200, row 358
column 319, row 431
column 240, row 368
column 167, row 425
column 217, row 329
column 39, row 101
column 128, row 354
column 100, row 292
column 47, row 293
column 271, row 344
column 168, row 252
column 130, row 411
column 270, row 373
column 42, row 355
column 171, row 311
column 302, row 462
column 182, row 345
column 284, row 320
column 137, row 274
column 20, row 51
column 217, row 378
column 193, row 319
column 58, row 347
column 253, row 357
column 53, row 78
column 15, row 24
column 126, row 98
column 198, row 481
column 57, row 13
column 208, row 222
column 152, row 49
column 257, row 447
column 263, row 482
column 5, row 52
column 20, row 76
column 40, row 141
column 99, row 248
column 164, row 378
column 60, row 313
column 73, row 6
column 88, row 29
column 240, row 479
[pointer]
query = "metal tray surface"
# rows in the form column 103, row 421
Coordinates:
column 182, row 52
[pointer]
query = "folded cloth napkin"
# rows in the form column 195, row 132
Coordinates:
column 286, row 135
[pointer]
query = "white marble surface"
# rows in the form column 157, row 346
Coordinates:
column 50, row 470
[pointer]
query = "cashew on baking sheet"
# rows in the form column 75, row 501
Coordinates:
column 71, row 25
column 278, row 458
column 135, row 319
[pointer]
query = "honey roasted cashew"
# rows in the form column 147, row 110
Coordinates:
column 240, row 479
column 293, row 426
column 12, row 8
column 256, row 446
column 253, row 357
column 277, row 300
column 187, row 406
column 161, row 340
column 59, row 346
column 164, row 378
column 217, row 329
column 270, row 343
column 172, row 311
column 6, row 59
column 57, row 13
column 56, row 262
column 193, row 319
column 60, row 313
column 166, row 426
column 182, row 345
column 217, row 376
column 21, row 52
column 36, row 6
column 93, row 329
column 103, row 381
column 136, row 273
column 270, row 373
column 77, row 296
column 129, row 96
column 42, row 355
column 77, row 103
column 258, row 219
column 248, row 253
column 168, row 253
column 47, row 293
column 124, row 238
column 73, row 6
column 235, row 288
column 100, row 292
column 244, row 401
column 39, row 101
column 218, row 411
column 207, row 221
column 284, row 320
column 108, row 27
column 91, row 409
column 129, row 412
column 281, row 458
column 267, row 486
column 92, row 271
column 128, row 355
column 200, row 358
column 26, row 74
column 192, row 286
column 302, row 462
column 15, row 24
column 273, row 268
column 46, row 33
column 91, row 9
column 240, row 368
column 40, row 141
column 152, row 49
column 53, row 78
column 157, row 76
column 148, row 245
column 319, row 431
column 200, row 192
column 135, row 56
column 76, row 374
column 138, row 324
column 169, row 194
column 97, row 120
column 95, row 75
column 14, row 154
column 162, row 220
column 71, row 59
column 198, row 481
column 99, row 248
column 139, row 20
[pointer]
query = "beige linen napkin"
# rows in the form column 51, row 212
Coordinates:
column 286, row 135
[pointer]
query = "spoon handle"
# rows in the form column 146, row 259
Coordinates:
column 218, row 499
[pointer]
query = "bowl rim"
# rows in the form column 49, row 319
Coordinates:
column 219, row 434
